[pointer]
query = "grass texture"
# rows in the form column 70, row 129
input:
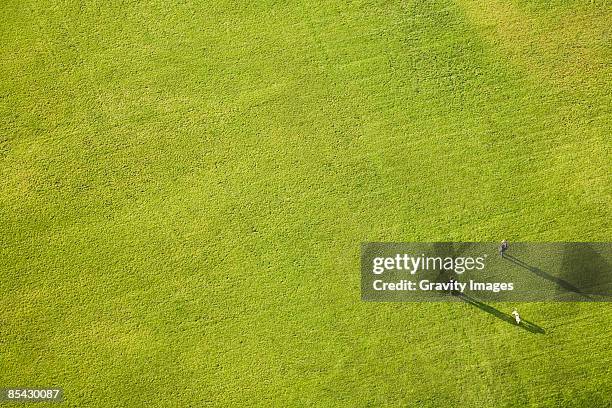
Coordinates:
column 184, row 188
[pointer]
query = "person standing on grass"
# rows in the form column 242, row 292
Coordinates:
column 517, row 317
column 503, row 247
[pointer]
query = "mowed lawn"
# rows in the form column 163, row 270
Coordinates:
column 184, row 188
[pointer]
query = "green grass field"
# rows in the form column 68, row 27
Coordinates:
column 184, row 188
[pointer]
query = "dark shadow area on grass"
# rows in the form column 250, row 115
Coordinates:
column 585, row 263
column 447, row 249
column 442, row 250
column 537, row 271
column 525, row 324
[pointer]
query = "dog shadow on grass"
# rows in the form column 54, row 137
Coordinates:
column 537, row 271
column 525, row 324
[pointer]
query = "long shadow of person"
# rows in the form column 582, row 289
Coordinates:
column 560, row 282
column 525, row 324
